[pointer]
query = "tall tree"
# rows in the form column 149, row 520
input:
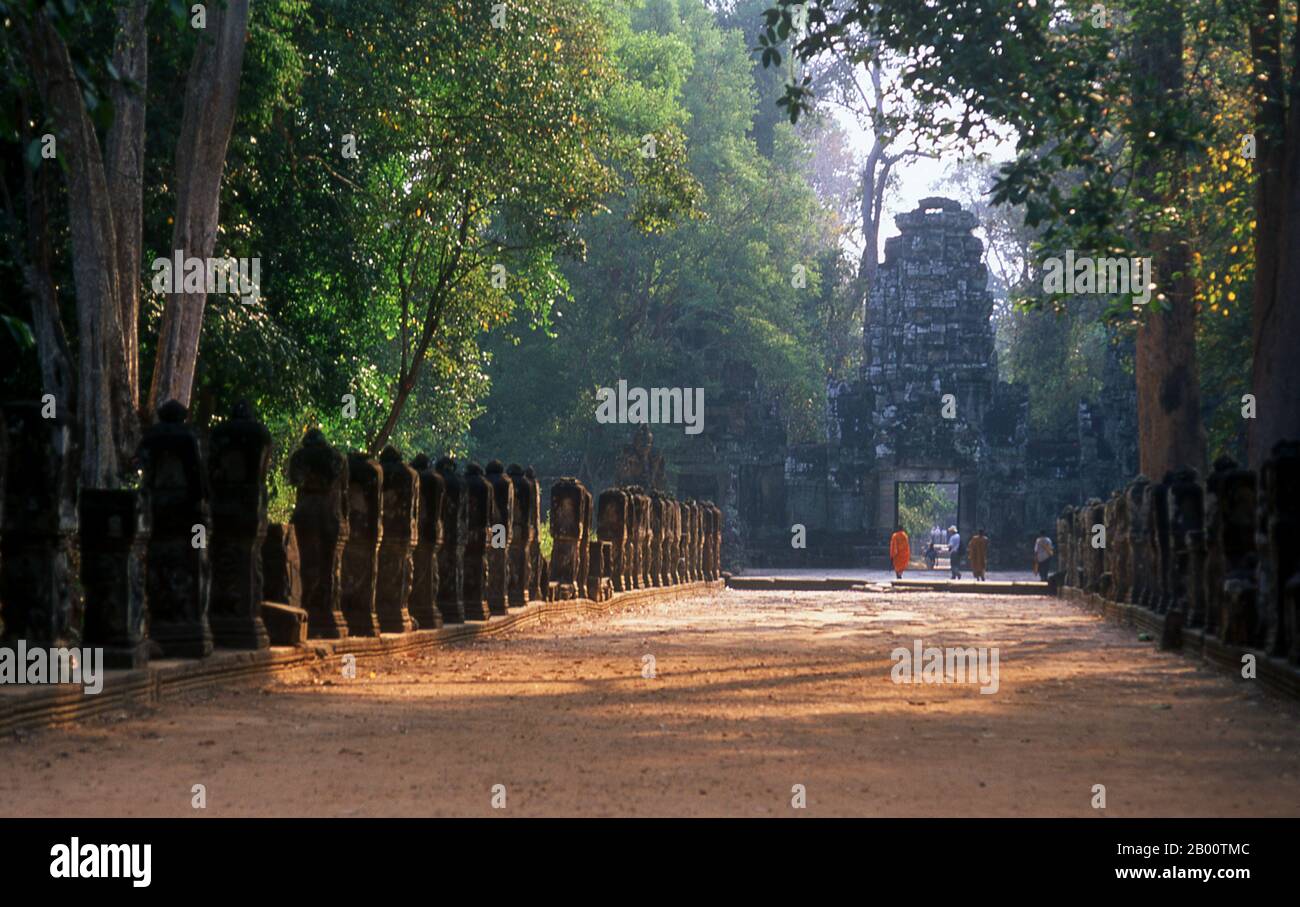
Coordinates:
column 101, row 148
column 1276, row 302
column 211, row 93
column 1064, row 77
column 1170, row 432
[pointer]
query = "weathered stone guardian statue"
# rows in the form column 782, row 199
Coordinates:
column 1064, row 545
column 567, row 534
column 675, row 541
column 1236, row 593
column 499, row 537
column 239, row 458
column 1139, row 562
column 281, row 566
column 632, row 556
column 1187, row 528
column 1279, row 544
column 717, row 542
column 114, row 538
column 320, row 526
column 596, row 578
column 539, row 586
column 451, row 565
column 361, row 556
column 588, row 512
column 656, row 539
column 1214, row 559
column 4, row 451
column 428, row 547
column 685, row 558
column 287, row 621
column 1096, row 557
column 697, row 540
column 396, row 570
column 1110, row 554
column 611, row 526
column 179, row 570
column 39, row 520
column 1161, row 547
column 480, row 514
column 706, row 539
column 521, row 537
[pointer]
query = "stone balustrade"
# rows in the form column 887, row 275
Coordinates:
column 1219, row 556
column 188, row 561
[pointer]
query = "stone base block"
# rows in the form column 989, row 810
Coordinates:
column 285, row 624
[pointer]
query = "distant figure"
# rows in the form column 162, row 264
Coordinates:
column 954, row 551
column 979, row 554
column 931, row 555
column 1043, row 552
column 900, row 551
column 937, row 536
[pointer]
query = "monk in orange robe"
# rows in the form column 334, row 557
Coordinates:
column 979, row 553
column 900, row 551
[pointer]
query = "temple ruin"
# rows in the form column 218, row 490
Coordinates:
column 927, row 406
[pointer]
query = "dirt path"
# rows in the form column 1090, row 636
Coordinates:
column 753, row 693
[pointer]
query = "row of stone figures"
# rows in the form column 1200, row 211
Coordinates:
column 1221, row 555
column 188, row 560
column 655, row 540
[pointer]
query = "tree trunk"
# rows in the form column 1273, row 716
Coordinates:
column 1170, row 433
column 104, row 407
column 211, row 92
column 58, row 376
column 124, row 167
column 1275, row 321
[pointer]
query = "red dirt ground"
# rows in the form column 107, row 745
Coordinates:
column 753, row 693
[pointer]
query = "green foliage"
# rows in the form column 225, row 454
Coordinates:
column 476, row 148
column 922, row 506
column 699, row 304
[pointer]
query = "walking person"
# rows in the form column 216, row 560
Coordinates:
column 900, row 550
column 1043, row 553
column 931, row 555
column 954, row 551
column 979, row 552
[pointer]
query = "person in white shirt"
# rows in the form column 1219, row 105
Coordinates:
column 954, row 551
column 1043, row 552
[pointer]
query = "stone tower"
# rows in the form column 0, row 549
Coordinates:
column 929, row 375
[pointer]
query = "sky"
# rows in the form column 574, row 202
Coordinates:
column 918, row 178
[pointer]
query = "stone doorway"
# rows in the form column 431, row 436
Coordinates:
column 921, row 506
